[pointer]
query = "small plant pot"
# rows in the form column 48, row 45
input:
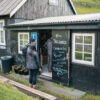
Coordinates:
column 26, row 72
column 16, row 70
column 21, row 72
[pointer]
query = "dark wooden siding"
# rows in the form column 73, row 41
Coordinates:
column 6, row 51
column 87, row 77
column 3, row 52
column 13, row 48
column 37, row 9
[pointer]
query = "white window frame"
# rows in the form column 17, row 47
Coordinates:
column 3, row 44
column 51, row 2
column 93, row 48
column 19, row 51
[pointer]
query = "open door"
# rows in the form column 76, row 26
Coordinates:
column 44, row 60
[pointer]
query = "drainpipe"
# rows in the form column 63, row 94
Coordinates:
column 68, row 57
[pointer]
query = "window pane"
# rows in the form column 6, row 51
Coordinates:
column 88, row 48
column 21, row 37
column 88, row 39
column 78, row 39
column 2, row 37
column 78, row 47
column 88, row 57
column 26, row 37
column 25, row 42
column 21, row 47
column 1, row 25
column 78, row 56
column 52, row 2
column 2, row 41
column 21, row 42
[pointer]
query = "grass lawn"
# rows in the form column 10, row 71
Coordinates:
column 8, row 92
column 91, row 97
column 87, row 6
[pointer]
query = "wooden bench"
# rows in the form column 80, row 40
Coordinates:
column 41, row 95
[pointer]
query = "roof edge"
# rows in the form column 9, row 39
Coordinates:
column 17, row 8
column 55, row 24
column 73, row 7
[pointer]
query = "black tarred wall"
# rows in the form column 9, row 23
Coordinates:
column 5, row 48
column 86, row 77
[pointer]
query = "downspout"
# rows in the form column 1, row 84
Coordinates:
column 68, row 57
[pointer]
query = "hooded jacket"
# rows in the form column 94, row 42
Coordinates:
column 32, row 58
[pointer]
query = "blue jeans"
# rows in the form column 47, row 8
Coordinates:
column 33, row 76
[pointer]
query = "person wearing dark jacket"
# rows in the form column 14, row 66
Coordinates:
column 48, row 45
column 33, row 64
column 24, row 54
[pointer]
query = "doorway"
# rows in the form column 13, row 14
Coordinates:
column 44, row 59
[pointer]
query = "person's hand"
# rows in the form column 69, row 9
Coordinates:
column 40, row 69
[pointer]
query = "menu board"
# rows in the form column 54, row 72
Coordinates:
column 59, row 60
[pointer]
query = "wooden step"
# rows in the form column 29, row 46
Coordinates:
column 41, row 95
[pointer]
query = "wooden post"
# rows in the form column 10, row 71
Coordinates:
column 41, row 60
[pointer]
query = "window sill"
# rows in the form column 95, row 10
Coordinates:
column 85, row 64
column 2, row 47
column 20, row 52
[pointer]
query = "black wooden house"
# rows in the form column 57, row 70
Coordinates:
column 13, row 11
column 76, row 47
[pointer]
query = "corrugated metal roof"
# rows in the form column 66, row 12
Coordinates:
column 7, row 6
column 63, row 19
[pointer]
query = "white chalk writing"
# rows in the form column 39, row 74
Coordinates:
column 60, row 71
column 59, row 42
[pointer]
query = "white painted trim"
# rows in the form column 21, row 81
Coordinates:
column 19, row 33
column 2, row 21
column 93, row 48
column 18, row 7
column 71, row 2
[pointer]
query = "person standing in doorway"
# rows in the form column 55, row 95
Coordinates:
column 48, row 45
column 33, row 64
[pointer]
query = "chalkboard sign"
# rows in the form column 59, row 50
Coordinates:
column 59, row 60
